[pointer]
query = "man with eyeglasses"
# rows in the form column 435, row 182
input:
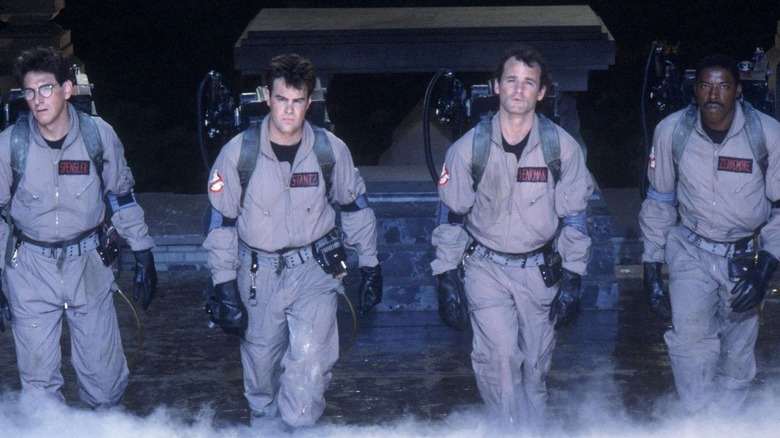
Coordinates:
column 710, row 214
column 57, row 263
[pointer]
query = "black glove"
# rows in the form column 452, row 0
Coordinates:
column 751, row 288
column 225, row 308
column 5, row 310
column 145, row 281
column 657, row 295
column 566, row 304
column 370, row 287
column 453, row 307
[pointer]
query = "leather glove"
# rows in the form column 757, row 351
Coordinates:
column 566, row 304
column 370, row 287
column 5, row 310
column 657, row 295
column 145, row 280
column 751, row 288
column 453, row 306
column 225, row 308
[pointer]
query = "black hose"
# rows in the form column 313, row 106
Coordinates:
column 645, row 139
column 201, row 134
column 138, row 328
column 353, row 335
column 427, row 125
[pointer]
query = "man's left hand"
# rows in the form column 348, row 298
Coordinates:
column 145, row 280
column 370, row 287
column 751, row 288
column 566, row 304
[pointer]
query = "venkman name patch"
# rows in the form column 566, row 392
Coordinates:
column 532, row 174
column 74, row 167
column 308, row 179
column 740, row 165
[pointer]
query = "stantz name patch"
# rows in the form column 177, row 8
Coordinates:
column 532, row 174
column 307, row 179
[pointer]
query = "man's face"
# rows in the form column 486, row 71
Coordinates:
column 288, row 109
column 716, row 92
column 51, row 110
column 519, row 88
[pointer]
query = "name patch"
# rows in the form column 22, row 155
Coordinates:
column 739, row 165
column 74, row 167
column 308, row 179
column 532, row 174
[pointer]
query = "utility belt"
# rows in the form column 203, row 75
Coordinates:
column 80, row 245
column 545, row 257
column 328, row 250
column 286, row 258
column 723, row 249
column 741, row 254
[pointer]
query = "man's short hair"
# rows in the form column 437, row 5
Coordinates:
column 530, row 57
column 718, row 60
column 44, row 60
column 296, row 71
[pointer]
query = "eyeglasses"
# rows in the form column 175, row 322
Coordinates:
column 43, row 91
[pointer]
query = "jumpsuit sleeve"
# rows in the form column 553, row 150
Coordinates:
column 224, row 191
column 118, row 179
column 571, row 203
column 659, row 212
column 6, row 179
column 359, row 226
column 770, row 233
column 457, row 194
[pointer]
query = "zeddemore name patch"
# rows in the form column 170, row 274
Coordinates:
column 739, row 165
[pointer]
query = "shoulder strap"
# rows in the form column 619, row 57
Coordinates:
column 551, row 146
column 480, row 148
column 753, row 130
column 89, row 131
column 681, row 133
column 324, row 151
column 250, row 150
column 755, row 135
column 20, row 139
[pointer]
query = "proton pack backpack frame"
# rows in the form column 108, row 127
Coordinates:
column 480, row 147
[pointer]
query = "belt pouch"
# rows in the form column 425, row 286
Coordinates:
column 330, row 254
column 552, row 268
column 740, row 263
column 108, row 247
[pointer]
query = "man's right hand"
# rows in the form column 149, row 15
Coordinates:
column 453, row 307
column 5, row 310
column 225, row 308
column 657, row 295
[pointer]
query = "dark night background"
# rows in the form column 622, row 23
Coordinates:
column 147, row 58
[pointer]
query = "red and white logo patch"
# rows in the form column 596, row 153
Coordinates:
column 444, row 178
column 216, row 183
column 652, row 159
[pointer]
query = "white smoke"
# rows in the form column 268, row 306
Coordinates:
column 594, row 415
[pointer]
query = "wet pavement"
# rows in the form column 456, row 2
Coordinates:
column 401, row 365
